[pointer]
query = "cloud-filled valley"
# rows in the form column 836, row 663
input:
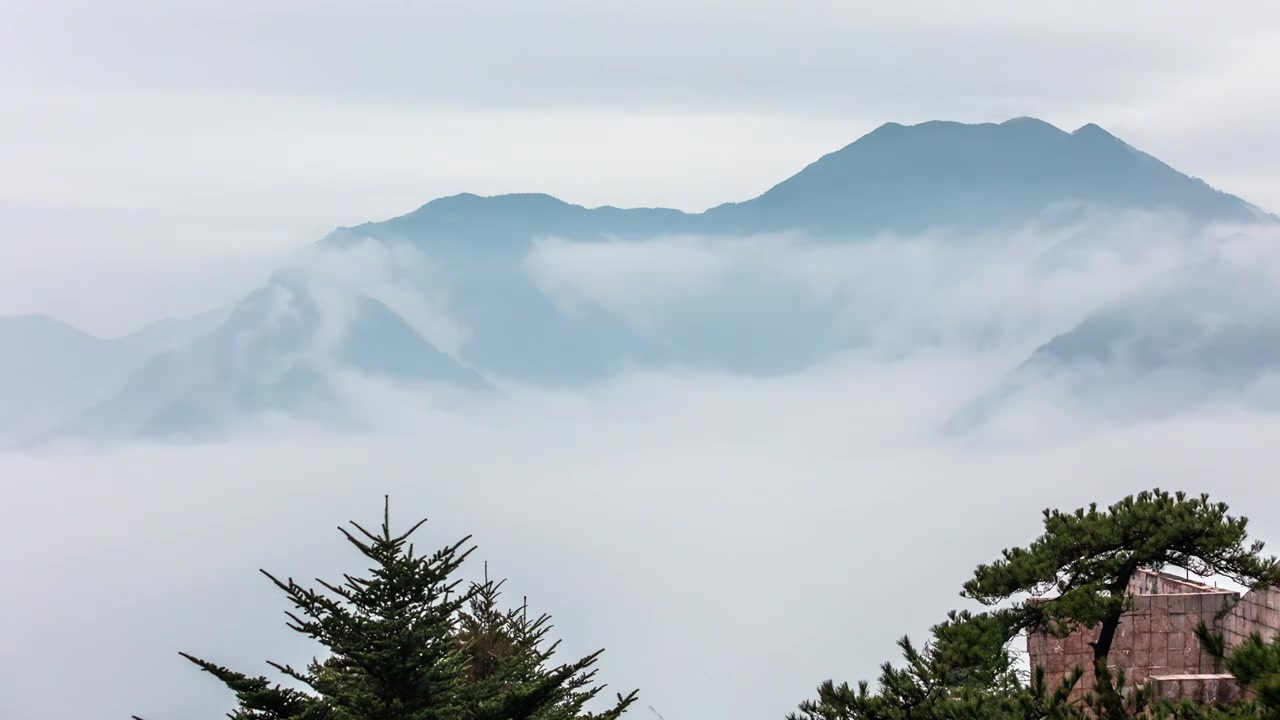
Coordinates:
column 741, row 450
column 1112, row 301
column 720, row 536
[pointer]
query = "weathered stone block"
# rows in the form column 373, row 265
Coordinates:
column 1160, row 623
column 1142, row 623
column 1160, row 641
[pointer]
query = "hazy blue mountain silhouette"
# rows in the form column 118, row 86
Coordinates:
column 273, row 353
column 909, row 179
column 467, row 223
column 50, row 370
column 1207, row 333
column 897, row 180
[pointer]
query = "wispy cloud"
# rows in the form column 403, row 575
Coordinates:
column 722, row 536
column 941, row 288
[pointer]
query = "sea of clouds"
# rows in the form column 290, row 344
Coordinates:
column 730, row 540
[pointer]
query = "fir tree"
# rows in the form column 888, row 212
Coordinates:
column 402, row 645
column 1090, row 557
column 507, row 652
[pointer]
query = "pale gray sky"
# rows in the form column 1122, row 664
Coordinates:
column 160, row 129
column 157, row 157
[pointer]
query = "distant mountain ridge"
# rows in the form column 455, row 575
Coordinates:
column 1208, row 333
column 273, row 353
column 897, row 180
column 49, row 369
column 944, row 174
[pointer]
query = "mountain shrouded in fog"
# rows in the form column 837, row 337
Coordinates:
column 1207, row 332
column 544, row 291
column 49, row 370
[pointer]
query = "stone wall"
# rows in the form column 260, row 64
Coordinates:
column 1155, row 639
column 1156, row 642
column 1146, row 582
column 1159, row 634
column 1258, row 611
column 1218, row 688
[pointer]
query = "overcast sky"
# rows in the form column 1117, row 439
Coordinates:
column 147, row 128
column 157, row 157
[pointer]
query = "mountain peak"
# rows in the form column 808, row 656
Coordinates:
column 1021, row 123
column 467, row 201
column 45, row 325
column 1092, row 130
column 1034, row 126
column 889, row 127
column 1028, row 121
column 897, row 178
column 942, row 174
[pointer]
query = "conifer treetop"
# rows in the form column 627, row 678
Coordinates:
column 407, row 642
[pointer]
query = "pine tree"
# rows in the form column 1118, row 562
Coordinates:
column 965, row 672
column 401, row 645
column 1255, row 663
column 1089, row 558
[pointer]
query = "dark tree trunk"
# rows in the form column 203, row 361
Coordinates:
column 1104, row 686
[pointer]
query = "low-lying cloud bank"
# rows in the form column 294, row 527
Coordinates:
column 946, row 287
column 731, row 539
column 1087, row 305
